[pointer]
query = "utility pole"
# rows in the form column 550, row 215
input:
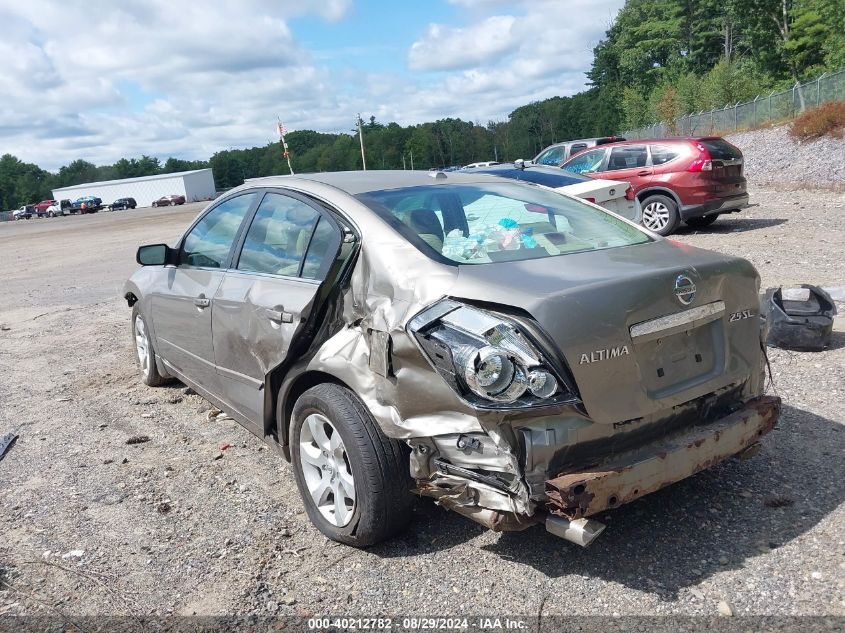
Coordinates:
column 361, row 138
column 282, row 131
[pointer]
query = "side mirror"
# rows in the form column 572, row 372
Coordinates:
column 154, row 255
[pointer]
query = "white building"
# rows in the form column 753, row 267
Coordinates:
column 195, row 185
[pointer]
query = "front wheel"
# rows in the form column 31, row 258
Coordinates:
column 144, row 351
column 660, row 214
column 703, row 221
column 353, row 479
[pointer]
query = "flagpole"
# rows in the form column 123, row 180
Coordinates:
column 281, row 129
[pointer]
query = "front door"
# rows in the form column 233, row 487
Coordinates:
column 181, row 311
column 265, row 299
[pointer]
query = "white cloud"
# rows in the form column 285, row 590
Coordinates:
column 447, row 48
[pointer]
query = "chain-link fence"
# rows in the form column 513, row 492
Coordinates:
column 772, row 108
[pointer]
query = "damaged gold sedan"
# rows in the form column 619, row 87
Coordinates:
column 518, row 355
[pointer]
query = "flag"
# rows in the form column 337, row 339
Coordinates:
column 281, row 128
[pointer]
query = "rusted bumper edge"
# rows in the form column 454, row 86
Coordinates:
column 625, row 478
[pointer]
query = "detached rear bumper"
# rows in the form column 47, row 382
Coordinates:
column 611, row 484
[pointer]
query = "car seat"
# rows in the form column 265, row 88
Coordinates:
column 426, row 224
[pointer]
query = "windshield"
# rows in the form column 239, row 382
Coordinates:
column 554, row 155
column 483, row 223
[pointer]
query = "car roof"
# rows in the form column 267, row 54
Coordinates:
column 357, row 182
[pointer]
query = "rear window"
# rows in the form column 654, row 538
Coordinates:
column 484, row 223
column 720, row 149
column 548, row 177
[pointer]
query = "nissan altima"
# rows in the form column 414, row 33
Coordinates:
column 516, row 354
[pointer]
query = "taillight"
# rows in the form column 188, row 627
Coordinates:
column 629, row 193
column 703, row 162
column 593, row 200
column 700, row 164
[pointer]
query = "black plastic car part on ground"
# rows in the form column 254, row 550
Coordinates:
column 800, row 323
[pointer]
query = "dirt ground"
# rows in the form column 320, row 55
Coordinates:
column 93, row 525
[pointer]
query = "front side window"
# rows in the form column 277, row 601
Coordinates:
column 209, row 242
column 586, row 163
column 288, row 237
column 627, row 157
column 483, row 223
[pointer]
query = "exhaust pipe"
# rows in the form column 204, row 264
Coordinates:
column 580, row 531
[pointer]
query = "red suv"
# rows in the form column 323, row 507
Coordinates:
column 689, row 179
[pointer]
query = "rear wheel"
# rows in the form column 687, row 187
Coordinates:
column 353, row 479
column 705, row 220
column 660, row 214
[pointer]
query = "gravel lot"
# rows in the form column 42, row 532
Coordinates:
column 93, row 525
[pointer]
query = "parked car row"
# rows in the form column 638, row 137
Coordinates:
column 659, row 183
column 86, row 204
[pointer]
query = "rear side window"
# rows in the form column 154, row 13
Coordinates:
column 663, row 154
column 278, row 236
column 209, row 242
column 288, row 237
column 627, row 157
column 720, row 149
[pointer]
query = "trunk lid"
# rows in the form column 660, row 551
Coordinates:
column 588, row 303
column 728, row 165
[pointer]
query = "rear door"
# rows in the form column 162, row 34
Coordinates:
column 181, row 307
column 264, row 300
column 628, row 163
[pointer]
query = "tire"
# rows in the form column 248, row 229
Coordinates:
column 703, row 221
column 145, row 358
column 50, row 214
column 366, row 467
column 660, row 214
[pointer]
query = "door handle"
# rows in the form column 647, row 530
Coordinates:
column 278, row 315
column 202, row 302
column 644, row 172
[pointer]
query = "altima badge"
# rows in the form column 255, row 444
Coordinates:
column 603, row 354
column 684, row 289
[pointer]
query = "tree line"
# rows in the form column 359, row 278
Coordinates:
column 659, row 59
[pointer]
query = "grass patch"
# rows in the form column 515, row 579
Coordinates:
column 827, row 119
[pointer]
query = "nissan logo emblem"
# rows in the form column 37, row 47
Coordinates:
column 684, row 289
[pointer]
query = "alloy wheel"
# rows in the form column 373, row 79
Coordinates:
column 142, row 345
column 326, row 469
column 656, row 216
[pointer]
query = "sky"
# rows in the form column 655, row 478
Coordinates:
column 102, row 80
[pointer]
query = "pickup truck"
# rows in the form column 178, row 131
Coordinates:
column 26, row 212
column 87, row 204
column 58, row 208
